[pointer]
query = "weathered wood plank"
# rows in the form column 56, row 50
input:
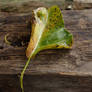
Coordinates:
column 84, row 1
column 76, row 61
column 82, row 4
column 46, row 83
column 28, row 5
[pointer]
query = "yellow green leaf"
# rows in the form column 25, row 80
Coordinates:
column 48, row 32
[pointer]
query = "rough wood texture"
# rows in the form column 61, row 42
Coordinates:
column 77, row 61
column 28, row 5
column 50, row 70
column 46, row 83
column 79, row 5
column 84, row 1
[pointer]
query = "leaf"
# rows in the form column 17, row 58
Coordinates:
column 48, row 32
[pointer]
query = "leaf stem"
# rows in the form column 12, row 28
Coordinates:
column 22, row 73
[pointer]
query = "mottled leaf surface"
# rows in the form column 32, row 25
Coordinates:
column 48, row 32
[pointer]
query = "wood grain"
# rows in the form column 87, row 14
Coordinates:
column 46, row 83
column 28, row 5
column 76, row 61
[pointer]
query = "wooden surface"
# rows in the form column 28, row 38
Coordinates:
column 28, row 5
column 46, row 83
column 78, row 60
column 51, row 70
column 85, row 1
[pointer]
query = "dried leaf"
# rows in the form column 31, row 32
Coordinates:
column 48, row 32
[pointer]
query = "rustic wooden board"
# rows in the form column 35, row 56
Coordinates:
column 84, row 1
column 28, row 5
column 46, row 83
column 82, row 4
column 77, row 61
